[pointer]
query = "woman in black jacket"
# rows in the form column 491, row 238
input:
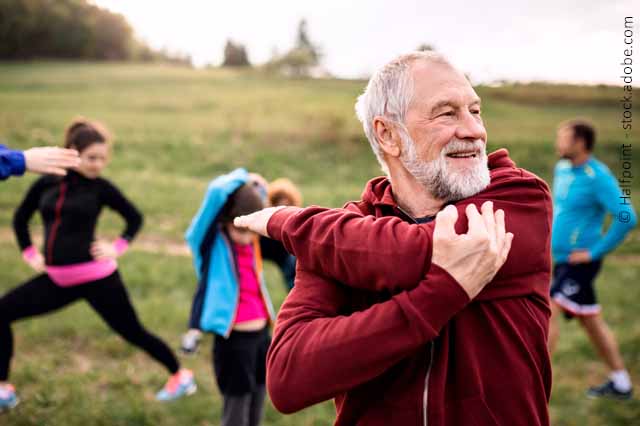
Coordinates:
column 73, row 265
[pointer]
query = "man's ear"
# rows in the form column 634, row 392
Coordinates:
column 387, row 137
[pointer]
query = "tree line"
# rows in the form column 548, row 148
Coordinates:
column 69, row 29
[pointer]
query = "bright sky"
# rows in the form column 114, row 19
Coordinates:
column 567, row 41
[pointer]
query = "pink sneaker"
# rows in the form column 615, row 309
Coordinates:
column 178, row 385
column 8, row 398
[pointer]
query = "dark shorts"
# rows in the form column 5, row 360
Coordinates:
column 240, row 362
column 573, row 290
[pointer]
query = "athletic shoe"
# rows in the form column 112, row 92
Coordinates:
column 190, row 342
column 608, row 390
column 8, row 398
column 178, row 385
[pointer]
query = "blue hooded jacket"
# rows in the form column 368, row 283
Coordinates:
column 216, row 299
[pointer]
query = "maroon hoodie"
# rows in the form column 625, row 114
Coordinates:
column 394, row 339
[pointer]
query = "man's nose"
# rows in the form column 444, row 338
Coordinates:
column 470, row 127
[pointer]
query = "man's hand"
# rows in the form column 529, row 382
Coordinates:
column 257, row 222
column 51, row 160
column 474, row 258
column 103, row 250
column 579, row 256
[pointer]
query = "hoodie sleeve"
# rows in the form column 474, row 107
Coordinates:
column 371, row 253
column 320, row 351
column 361, row 250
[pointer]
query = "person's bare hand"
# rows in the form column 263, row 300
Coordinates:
column 103, row 250
column 257, row 222
column 36, row 261
column 579, row 256
column 51, row 160
column 474, row 258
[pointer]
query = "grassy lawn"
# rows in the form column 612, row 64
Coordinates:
column 175, row 129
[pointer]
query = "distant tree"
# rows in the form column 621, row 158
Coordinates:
column 424, row 47
column 73, row 29
column 235, row 55
column 301, row 59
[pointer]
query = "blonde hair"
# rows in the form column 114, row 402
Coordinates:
column 284, row 188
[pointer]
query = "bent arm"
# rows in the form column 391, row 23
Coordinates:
column 24, row 212
column 113, row 198
column 364, row 251
column 319, row 352
column 371, row 253
column 624, row 218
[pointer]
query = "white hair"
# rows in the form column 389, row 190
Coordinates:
column 389, row 94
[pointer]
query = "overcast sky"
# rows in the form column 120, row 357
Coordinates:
column 567, row 41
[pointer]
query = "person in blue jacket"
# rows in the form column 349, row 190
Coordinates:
column 585, row 192
column 45, row 160
column 231, row 300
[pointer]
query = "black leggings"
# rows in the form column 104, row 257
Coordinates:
column 107, row 296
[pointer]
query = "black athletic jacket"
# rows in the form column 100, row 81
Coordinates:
column 69, row 207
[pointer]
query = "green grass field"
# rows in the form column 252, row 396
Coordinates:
column 176, row 128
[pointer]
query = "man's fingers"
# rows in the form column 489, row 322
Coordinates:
column 476, row 222
column 506, row 248
column 445, row 222
column 489, row 220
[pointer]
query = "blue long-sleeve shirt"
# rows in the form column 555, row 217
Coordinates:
column 583, row 195
column 11, row 162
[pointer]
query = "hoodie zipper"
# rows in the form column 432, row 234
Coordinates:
column 56, row 222
column 425, row 394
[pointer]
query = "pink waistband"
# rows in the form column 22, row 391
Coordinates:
column 81, row 273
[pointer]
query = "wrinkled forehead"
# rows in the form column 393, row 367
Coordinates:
column 436, row 84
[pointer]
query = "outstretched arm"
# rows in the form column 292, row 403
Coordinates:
column 396, row 255
column 361, row 250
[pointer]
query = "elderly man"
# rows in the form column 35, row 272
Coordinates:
column 402, row 319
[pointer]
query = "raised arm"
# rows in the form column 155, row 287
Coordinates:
column 322, row 348
column 334, row 242
column 363, row 251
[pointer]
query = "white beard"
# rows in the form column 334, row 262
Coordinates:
column 436, row 176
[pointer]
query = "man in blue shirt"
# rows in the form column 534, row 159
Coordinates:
column 46, row 160
column 584, row 192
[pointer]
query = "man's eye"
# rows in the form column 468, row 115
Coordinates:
column 475, row 111
column 447, row 114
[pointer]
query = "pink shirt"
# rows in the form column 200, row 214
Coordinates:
column 251, row 305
